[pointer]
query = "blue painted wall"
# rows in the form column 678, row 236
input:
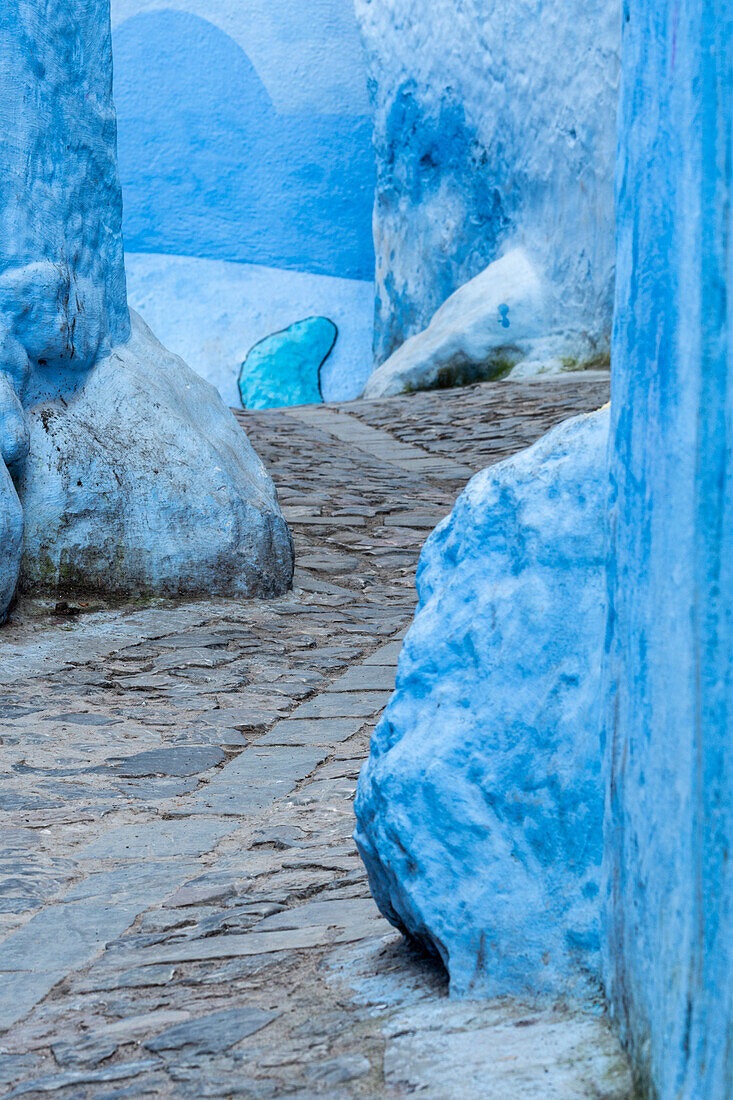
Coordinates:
column 669, row 727
column 495, row 128
column 218, row 162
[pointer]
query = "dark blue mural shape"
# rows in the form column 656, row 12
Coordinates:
column 210, row 168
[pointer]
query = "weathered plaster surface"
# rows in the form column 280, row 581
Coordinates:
column 11, row 539
column 212, row 312
column 248, row 177
column 495, row 128
column 502, row 322
column 62, row 278
column 669, row 751
column 480, row 810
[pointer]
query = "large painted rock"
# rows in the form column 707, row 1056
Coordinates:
column 13, row 449
column 499, row 322
column 141, row 482
column 480, row 810
column 494, row 129
column 62, row 281
column 285, row 368
column 138, row 479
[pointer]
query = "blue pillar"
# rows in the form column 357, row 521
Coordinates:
column 62, row 279
column 669, row 722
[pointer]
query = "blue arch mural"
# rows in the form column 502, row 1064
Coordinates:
column 211, row 168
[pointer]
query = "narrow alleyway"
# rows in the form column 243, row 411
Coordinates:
column 182, row 909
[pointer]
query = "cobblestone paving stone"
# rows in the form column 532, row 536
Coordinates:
column 486, row 422
column 182, row 909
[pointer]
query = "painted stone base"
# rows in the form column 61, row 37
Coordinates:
column 484, row 143
column 480, row 810
column 499, row 322
column 142, row 483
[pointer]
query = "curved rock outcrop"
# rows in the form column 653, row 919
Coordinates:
column 500, row 323
column 137, row 480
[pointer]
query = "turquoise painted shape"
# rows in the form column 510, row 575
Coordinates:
column 285, row 368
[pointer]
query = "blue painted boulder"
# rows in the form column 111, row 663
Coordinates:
column 499, row 322
column 285, row 368
column 62, row 280
column 141, row 482
column 11, row 539
column 480, row 809
column 132, row 474
column 14, row 442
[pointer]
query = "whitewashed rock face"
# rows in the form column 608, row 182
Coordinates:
column 480, row 810
column 485, row 330
column 495, row 128
column 103, row 486
column 142, row 483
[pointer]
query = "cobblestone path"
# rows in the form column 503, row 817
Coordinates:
column 182, row 910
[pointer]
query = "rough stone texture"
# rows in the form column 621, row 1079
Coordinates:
column 128, row 909
column 669, row 750
column 141, row 483
column 285, row 367
column 137, row 480
column 487, row 328
column 274, row 162
column 481, row 424
column 495, row 128
column 11, row 538
column 480, row 810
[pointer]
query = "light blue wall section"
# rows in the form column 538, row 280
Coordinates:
column 244, row 132
column 669, row 726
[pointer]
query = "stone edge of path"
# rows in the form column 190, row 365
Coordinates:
column 379, row 444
